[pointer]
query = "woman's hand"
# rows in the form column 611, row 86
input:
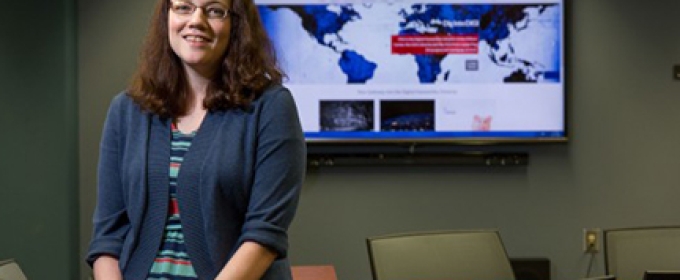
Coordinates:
column 106, row 268
column 249, row 262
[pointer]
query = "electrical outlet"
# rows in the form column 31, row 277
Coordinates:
column 591, row 240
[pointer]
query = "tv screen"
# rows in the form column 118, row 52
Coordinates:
column 421, row 71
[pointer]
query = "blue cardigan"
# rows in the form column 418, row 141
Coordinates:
column 240, row 181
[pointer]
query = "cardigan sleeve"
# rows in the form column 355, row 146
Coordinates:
column 279, row 173
column 110, row 220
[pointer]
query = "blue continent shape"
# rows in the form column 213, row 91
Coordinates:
column 494, row 25
column 494, row 21
column 319, row 22
column 429, row 66
column 357, row 68
column 432, row 16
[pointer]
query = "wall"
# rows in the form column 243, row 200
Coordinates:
column 110, row 34
column 618, row 170
column 38, row 142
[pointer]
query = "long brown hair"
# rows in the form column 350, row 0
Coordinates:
column 249, row 66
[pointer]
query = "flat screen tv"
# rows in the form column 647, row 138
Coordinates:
column 423, row 71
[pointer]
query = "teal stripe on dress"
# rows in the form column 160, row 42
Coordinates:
column 172, row 260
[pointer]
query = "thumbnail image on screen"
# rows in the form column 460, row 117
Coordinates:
column 346, row 115
column 407, row 115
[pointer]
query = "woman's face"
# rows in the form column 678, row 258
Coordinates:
column 199, row 32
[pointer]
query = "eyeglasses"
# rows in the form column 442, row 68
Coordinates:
column 211, row 11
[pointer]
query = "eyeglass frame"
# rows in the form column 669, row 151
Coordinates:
column 228, row 13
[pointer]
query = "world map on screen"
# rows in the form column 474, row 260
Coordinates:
column 407, row 43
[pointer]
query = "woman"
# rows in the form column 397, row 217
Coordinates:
column 202, row 159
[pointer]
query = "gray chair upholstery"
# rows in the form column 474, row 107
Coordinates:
column 630, row 252
column 465, row 255
column 10, row 270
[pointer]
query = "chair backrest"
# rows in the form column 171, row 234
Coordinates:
column 630, row 252
column 10, row 270
column 478, row 255
column 313, row 272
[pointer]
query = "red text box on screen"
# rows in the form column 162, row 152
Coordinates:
column 435, row 44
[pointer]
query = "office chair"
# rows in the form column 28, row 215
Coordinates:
column 466, row 255
column 313, row 272
column 10, row 270
column 629, row 252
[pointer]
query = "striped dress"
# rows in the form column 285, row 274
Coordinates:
column 172, row 260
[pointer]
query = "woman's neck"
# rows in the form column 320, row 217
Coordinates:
column 192, row 120
column 198, row 81
column 198, row 86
